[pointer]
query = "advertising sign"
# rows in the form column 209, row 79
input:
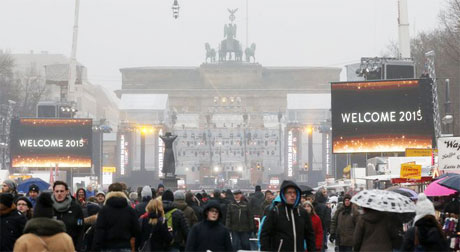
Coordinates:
column 381, row 116
column 47, row 142
column 419, row 152
column 411, row 171
column 449, row 153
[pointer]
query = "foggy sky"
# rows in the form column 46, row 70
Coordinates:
column 114, row 34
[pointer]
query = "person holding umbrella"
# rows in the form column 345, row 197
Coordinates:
column 374, row 230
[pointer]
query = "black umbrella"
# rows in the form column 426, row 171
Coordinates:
column 446, row 175
column 452, row 182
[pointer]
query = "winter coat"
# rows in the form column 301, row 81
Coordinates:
column 278, row 233
column 12, row 224
column 318, row 228
column 116, row 224
column 239, row 217
column 371, row 232
column 73, row 220
column 209, row 235
column 265, row 205
column 345, row 226
column 322, row 210
column 140, row 207
column 44, row 234
column 428, row 236
column 189, row 214
column 256, row 204
column 179, row 224
column 197, row 209
column 161, row 238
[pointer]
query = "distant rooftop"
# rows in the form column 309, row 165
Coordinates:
column 143, row 101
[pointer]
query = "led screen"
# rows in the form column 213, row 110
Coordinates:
column 46, row 142
column 381, row 116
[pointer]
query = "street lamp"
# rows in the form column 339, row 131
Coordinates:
column 175, row 9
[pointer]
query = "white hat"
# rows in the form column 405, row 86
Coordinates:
column 423, row 207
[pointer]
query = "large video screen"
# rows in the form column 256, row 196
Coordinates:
column 381, row 116
column 46, row 142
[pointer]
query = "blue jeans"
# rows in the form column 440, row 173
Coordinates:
column 240, row 240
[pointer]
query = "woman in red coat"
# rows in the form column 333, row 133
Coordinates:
column 317, row 226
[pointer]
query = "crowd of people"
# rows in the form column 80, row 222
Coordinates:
column 158, row 219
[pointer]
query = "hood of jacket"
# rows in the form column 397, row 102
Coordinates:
column 168, row 205
column 180, row 204
column 372, row 216
column 212, row 204
column 284, row 186
column 44, row 226
column 320, row 198
column 116, row 200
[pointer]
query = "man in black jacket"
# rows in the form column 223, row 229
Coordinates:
column 68, row 211
column 116, row 225
column 12, row 222
column 256, row 202
column 178, row 224
column 240, row 222
column 287, row 225
column 209, row 234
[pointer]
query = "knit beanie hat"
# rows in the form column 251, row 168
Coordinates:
column 146, row 191
column 160, row 185
column 25, row 199
column 179, row 195
column 34, row 188
column 44, row 206
column 423, row 207
column 6, row 199
column 10, row 183
column 258, row 188
column 167, row 196
column 346, row 196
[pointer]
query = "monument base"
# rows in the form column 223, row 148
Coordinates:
column 170, row 182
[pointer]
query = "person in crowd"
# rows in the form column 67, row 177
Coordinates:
column 133, row 199
column 116, row 226
column 160, row 189
column 9, row 186
column 146, row 195
column 154, row 228
column 116, row 187
column 426, row 234
column 316, row 223
column 12, row 222
column 240, row 222
column 323, row 212
column 309, row 196
column 90, row 191
column 90, row 226
column 42, row 232
column 81, row 200
column 268, row 198
column 287, row 225
column 371, row 232
column 256, row 202
column 217, row 196
column 33, row 193
column 24, row 206
column 176, row 222
column 205, row 197
column 100, row 197
column 343, row 225
column 209, row 234
column 68, row 211
column 189, row 214
column 194, row 203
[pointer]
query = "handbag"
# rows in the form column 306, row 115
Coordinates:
column 146, row 245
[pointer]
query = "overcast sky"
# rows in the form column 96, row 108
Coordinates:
column 114, row 34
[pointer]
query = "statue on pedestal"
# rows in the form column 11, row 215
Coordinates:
column 169, row 163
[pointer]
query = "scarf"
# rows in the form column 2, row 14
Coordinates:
column 62, row 206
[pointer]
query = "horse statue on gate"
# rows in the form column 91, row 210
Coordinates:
column 230, row 45
column 250, row 52
column 210, row 53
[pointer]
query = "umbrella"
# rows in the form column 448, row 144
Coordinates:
column 446, row 175
column 384, row 201
column 24, row 186
column 404, row 191
column 452, row 182
column 305, row 188
column 436, row 189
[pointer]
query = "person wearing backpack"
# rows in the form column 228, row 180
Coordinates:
column 426, row 234
column 154, row 228
column 176, row 222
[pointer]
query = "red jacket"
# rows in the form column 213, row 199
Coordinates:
column 318, row 228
